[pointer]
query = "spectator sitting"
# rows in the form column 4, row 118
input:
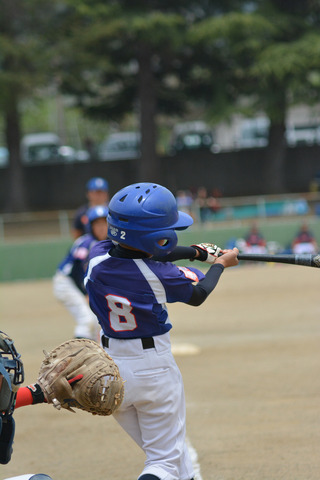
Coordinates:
column 304, row 241
column 254, row 241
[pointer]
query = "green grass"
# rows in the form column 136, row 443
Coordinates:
column 38, row 259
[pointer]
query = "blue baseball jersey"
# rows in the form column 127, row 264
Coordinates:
column 128, row 295
column 79, row 251
column 75, row 263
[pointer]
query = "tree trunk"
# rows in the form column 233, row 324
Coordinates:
column 276, row 151
column 16, row 198
column 275, row 159
column 148, row 168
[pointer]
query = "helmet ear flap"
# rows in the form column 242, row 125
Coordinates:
column 151, row 240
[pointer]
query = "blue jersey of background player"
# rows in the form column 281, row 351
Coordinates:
column 74, row 264
column 68, row 286
column 128, row 290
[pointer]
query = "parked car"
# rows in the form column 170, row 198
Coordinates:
column 38, row 148
column 120, row 146
column 4, row 157
column 303, row 135
column 46, row 148
column 253, row 133
column 192, row 136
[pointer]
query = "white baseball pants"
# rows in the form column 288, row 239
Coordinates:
column 153, row 411
column 66, row 291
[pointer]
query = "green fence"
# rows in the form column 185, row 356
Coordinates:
column 31, row 260
column 39, row 259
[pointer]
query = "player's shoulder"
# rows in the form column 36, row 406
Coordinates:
column 100, row 248
column 86, row 240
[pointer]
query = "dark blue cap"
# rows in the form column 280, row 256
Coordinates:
column 97, row 183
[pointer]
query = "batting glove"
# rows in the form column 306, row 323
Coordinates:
column 208, row 252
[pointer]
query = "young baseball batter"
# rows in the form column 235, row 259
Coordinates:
column 68, row 285
column 128, row 291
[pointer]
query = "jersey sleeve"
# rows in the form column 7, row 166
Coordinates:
column 178, row 281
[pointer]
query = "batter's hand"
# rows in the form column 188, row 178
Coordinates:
column 229, row 258
column 207, row 252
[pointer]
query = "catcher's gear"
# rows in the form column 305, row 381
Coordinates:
column 208, row 252
column 11, row 374
column 80, row 374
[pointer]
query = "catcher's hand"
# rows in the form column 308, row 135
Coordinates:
column 208, row 252
column 80, row 374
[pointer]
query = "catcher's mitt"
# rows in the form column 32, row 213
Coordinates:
column 80, row 374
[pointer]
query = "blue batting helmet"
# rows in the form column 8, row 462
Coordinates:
column 142, row 214
column 99, row 211
column 93, row 213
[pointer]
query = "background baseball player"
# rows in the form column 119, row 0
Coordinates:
column 68, row 285
column 128, row 291
column 97, row 193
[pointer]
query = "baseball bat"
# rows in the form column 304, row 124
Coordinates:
column 305, row 259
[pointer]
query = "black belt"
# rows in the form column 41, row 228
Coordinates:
column 146, row 342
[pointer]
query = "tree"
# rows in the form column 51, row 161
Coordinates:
column 25, row 59
column 131, row 57
column 268, row 55
column 124, row 58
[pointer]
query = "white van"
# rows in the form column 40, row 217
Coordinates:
column 120, row 146
column 253, row 133
column 40, row 148
column 303, row 135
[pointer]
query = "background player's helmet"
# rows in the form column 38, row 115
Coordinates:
column 99, row 211
column 97, row 183
column 142, row 214
column 93, row 213
column 11, row 374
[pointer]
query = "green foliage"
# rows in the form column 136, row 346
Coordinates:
column 256, row 50
column 146, row 59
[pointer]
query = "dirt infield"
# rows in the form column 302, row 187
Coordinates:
column 252, row 388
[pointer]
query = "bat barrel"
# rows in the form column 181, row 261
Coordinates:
column 264, row 257
column 308, row 260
